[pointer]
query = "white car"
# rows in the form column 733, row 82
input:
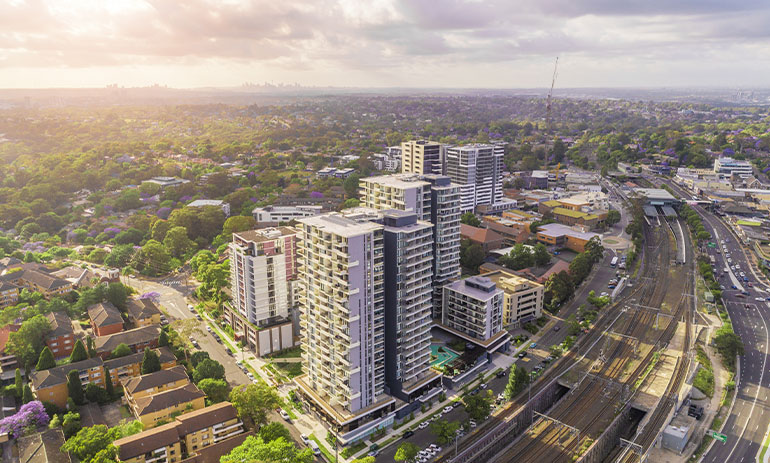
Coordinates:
column 284, row 415
column 448, row 409
column 423, row 425
column 304, row 439
column 759, row 299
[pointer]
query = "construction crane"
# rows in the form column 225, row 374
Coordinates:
column 548, row 120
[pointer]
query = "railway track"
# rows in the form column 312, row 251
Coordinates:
column 589, row 415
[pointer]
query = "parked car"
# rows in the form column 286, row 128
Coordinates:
column 304, row 439
column 284, row 415
column 556, row 328
column 448, row 409
column 500, row 374
column 407, row 434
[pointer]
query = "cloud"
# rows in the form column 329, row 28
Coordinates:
column 418, row 38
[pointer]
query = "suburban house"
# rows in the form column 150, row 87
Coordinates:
column 137, row 339
column 155, row 409
column 51, row 385
column 105, row 319
column 143, row 312
column 488, row 239
column 61, row 338
column 203, row 435
column 153, row 383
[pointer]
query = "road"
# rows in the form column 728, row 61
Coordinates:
column 748, row 421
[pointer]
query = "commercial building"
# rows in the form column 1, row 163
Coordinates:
column 61, row 338
column 137, row 339
column 473, row 309
column 342, row 317
column 211, row 432
column 556, row 234
column 408, row 262
column 523, row 298
column 422, row 157
column 155, row 409
column 730, row 166
column 272, row 216
column 105, row 319
column 656, row 197
column 263, row 274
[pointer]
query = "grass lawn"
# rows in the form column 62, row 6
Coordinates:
column 289, row 369
column 124, row 413
column 293, row 352
column 327, row 454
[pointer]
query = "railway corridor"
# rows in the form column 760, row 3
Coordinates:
column 615, row 363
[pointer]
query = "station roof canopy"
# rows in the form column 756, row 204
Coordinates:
column 650, row 211
column 669, row 211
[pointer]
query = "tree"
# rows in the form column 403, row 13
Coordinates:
column 159, row 230
column 78, row 352
column 46, row 360
column 27, row 396
column 478, row 406
column 444, row 430
column 469, row 218
column 216, row 390
column 70, row 424
column 177, row 242
column 117, row 294
column 130, row 236
column 254, row 449
column 471, row 255
column 208, row 368
column 407, row 452
column 108, row 386
column 613, row 217
column 518, row 378
column 88, row 442
column 153, row 259
column 75, row 387
column 90, row 346
column 151, row 362
column 163, row 339
column 364, row 460
column 520, row 257
column 19, row 385
column 541, row 255
column 96, row 394
column 121, row 350
column 273, row 431
column 27, row 343
column 254, row 401
column 197, row 357
column 351, row 202
column 594, row 249
column 238, row 223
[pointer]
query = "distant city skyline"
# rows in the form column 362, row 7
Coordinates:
column 384, row 43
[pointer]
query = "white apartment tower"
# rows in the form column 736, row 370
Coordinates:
column 263, row 265
column 422, row 157
column 478, row 170
column 433, row 198
column 342, row 318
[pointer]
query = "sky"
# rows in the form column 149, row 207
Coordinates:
column 385, row 43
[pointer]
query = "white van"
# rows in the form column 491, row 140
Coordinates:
column 312, row 444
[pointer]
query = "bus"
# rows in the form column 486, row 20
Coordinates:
column 614, row 262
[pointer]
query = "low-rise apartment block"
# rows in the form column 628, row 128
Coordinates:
column 9, row 294
column 105, row 319
column 523, row 298
column 143, row 312
column 155, row 409
column 153, row 383
column 556, row 234
column 61, row 338
column 209, row 433
column 137, row 339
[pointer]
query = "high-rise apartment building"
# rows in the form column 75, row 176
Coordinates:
column 404, row 192
column 478, row 170
column 263, row 273
column 422, row 157
column 408, row 307
column 433, row 198
column 342, row 320
column 445, row 217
